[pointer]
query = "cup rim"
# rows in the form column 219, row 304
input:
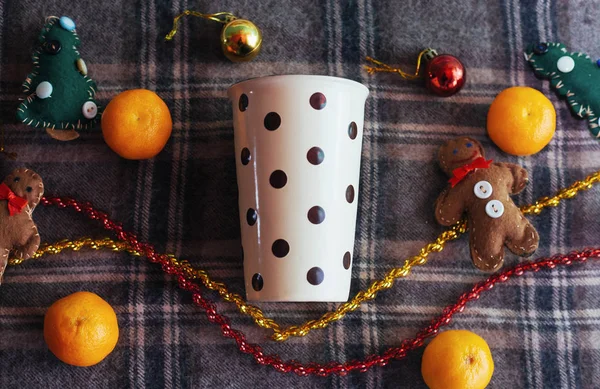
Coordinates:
column 278, row 77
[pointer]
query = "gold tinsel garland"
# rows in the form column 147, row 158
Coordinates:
column 281, row 333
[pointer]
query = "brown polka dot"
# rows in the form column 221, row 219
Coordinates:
column 245, row 157
column 347, row 260
column 316, row 215
column 315, row 276
column 278, row 179
column 350, row 194
column 257, row 282
column 243, row 103
column 272, row 121
column 352, row 130
column 251, row 216
column 280, row 248
column 315, row 155
column 318, row 101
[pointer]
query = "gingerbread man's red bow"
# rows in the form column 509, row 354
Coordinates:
column 15, row 203
column 461, row 172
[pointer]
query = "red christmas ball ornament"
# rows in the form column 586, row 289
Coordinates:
column 445, row 75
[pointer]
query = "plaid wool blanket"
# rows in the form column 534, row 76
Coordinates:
column 542, row 328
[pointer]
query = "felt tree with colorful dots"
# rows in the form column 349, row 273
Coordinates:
column 60, row 94
column 574, row 76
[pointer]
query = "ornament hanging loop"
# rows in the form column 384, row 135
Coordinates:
column 221, row 17
column 428, row 54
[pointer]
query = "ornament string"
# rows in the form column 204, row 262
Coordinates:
column 283, row 333
column 221, row 17
column 333, row 367
column 382, row 67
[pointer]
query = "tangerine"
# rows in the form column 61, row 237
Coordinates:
column 521, row 121
column 81, row 329
column 136, row 124
column 457, row 359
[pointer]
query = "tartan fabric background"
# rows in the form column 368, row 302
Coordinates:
column 542, row 328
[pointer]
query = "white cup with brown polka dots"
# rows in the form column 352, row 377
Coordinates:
column 298, row 141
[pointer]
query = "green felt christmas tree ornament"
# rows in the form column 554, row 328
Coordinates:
column 61, row 95
column 574, row 76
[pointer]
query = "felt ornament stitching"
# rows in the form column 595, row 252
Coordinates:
column 20, row 192
column 482, row 190
column 61, row 95
column 574, row 76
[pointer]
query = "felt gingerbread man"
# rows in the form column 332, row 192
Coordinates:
column 20, row 193
column 481, row 189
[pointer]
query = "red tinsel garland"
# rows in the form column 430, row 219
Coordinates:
column 314, row 368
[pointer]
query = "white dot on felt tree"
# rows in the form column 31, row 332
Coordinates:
column 565, row 64
column 67, row 23
column 89, row 110
column 44, row 90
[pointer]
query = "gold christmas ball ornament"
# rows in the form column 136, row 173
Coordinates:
column 241, row 40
